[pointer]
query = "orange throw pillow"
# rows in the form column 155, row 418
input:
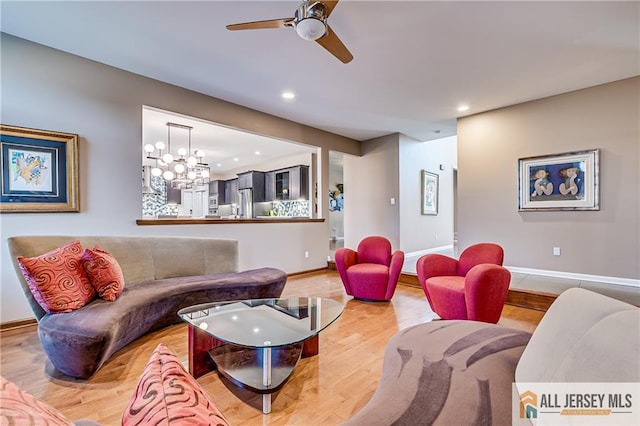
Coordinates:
column 167, row 394
column 18, row 407
column 57, row 279
column 104, row 272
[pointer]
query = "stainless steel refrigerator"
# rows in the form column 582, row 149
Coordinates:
column 245, row 203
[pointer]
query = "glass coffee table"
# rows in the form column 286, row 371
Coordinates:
column 256, row 343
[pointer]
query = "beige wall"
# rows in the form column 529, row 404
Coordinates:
column 603, row 243
column 47, row 89
column 370, row 182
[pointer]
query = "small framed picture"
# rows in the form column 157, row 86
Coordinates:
column 39, row 171
column 429, row 192
column 566, row 181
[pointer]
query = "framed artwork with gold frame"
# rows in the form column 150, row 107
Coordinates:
column 39, row 171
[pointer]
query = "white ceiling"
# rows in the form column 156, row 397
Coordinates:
column 414, row 62
column 227, row 150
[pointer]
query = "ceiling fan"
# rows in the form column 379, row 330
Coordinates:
column 310, row 22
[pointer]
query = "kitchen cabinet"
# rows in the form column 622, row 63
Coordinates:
column 231, row 191
column 256, row 182
column 217, row 187
column 291, row 183
column 174, row 195
column 245, row 180
column 270, row 186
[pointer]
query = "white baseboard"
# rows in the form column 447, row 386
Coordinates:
column 629, row 282
column 428, row 251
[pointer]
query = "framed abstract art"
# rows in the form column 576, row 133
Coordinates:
column 429, row 188
column 39, row 171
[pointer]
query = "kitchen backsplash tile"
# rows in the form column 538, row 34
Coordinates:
column 156, row 204
column 297, row 208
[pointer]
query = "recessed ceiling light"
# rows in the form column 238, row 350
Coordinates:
column 463, row 108
column 219, row 165
column 288, row 95
column 236, row 159
column 257, row 152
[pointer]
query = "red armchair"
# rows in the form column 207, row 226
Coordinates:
column 474, row 287
column 372, row 272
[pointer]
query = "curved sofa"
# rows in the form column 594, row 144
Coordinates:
column 162, row 275
column 460, row 372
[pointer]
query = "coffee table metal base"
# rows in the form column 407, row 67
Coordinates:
column 261, row 370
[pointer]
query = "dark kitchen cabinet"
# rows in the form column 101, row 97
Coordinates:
column 282, row 185
column 270, row 186
column 217, row 187
column 231, row 191
column 299, row 183
column 256, row 182
column 291, row 183
column 245, row 180
column 174, row 195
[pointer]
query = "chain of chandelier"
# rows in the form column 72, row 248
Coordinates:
column 182, row 169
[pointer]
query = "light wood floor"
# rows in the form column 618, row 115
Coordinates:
column 324, row 390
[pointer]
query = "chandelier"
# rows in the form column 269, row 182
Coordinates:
column 184, row 169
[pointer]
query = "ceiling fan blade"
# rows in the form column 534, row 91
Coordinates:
column 330, row 6
column 258, row 25
column 332, row 43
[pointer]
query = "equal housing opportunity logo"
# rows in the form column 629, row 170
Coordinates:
column 576, row 403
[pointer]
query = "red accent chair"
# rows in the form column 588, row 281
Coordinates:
column 372, row 272
column 473, row 287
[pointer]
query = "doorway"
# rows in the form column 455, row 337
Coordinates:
column 455, row 211
column 336, row 203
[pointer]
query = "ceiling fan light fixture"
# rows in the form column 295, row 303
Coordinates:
column 310, row 23
column 311, row 28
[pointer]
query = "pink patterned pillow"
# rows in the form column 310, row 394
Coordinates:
column 18, row 407
column 166, row 394
column 57, row 280
column 104, row 273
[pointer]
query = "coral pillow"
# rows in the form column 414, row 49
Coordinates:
column 167, row 394
column 57, row 279
column 104, row 273
column 18, row 407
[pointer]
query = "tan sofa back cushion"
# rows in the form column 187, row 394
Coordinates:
column 584, row 337
column 142, row 258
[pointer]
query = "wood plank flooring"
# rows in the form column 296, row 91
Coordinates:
column 324, row 390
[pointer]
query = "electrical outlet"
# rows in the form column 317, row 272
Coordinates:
column 392, row 201
column 556, row 251
column 306, row 254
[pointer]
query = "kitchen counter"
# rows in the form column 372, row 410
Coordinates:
column 218, row 221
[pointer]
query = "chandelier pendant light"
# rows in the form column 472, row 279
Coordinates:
column 182, row 169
